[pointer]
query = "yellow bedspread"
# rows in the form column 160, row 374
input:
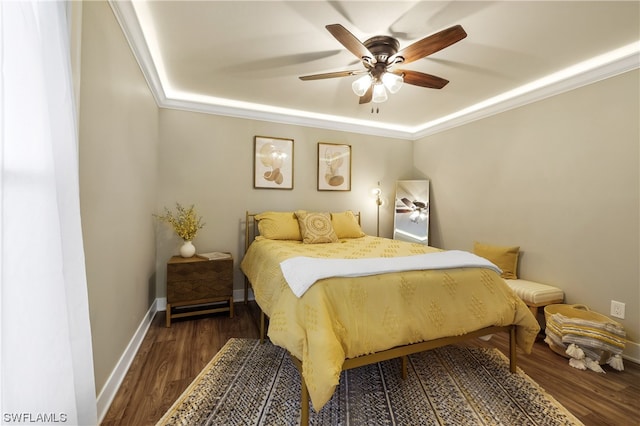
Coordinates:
column 340, row 318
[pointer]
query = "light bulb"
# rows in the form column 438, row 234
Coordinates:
column 393, row 82
column 379, row 93
column 361, row 85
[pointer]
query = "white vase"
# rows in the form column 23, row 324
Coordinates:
column 187, row 249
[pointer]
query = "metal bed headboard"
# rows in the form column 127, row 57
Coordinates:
column 251, row 227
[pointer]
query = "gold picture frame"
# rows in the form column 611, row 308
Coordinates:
column 334, row 167
column 272, row 163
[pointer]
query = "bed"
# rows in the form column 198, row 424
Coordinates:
column 342, row 322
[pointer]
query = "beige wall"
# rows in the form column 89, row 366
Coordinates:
column 207, row 160
column 118, row 184
column 560, row 178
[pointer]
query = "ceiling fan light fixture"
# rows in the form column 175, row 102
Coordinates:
column 380, row 53
column 393, row 82
column 361, row 85
column 379, row 93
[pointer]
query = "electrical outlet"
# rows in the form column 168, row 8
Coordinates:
column 617, row 309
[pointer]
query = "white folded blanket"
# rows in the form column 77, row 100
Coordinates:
column 302, row 272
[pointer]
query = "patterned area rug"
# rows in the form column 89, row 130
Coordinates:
column 248, row 383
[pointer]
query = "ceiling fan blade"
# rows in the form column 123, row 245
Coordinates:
column 429, row 45
column 330, row 75
column 350, row 41
column 408, row 203
column 421, row 79
column 366, row 98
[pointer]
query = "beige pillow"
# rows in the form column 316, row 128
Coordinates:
column 316, row 228
column 278, row 226
column 505, row 258
column 346, row 225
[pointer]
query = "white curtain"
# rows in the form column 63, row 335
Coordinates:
column 45, row 346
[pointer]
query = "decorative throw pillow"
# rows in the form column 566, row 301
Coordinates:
column 278, row 226
column 346, row 225
column 505, row 258
column 316, row 227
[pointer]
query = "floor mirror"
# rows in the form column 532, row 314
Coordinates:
column 411, row 218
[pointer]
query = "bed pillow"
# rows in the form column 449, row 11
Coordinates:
column 346, row 225
column 278, row 226
column 505, row 258
column 315, row 227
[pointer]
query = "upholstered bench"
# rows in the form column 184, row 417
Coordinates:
column 535, row 294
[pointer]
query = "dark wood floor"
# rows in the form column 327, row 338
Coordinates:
column 170, row 358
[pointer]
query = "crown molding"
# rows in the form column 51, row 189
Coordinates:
column 293, row 117
column 609, row 65
column 128, row 19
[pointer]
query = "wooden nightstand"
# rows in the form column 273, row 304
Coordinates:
column 197, row 286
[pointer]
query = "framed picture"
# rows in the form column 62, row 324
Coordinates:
column 272, row 163
column 334, row 167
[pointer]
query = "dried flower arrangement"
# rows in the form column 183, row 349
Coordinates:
column 185, row 222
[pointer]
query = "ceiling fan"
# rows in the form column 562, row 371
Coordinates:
column 380, row 56
column 419, row 210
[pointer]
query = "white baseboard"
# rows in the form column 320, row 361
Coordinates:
column 110, row 388
column 238, row 295
column 632, row 352
column 161, row 303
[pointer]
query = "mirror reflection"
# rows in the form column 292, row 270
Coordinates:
column 411, row 218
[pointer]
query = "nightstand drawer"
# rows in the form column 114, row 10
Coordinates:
column 191, row 290
column 180, row 270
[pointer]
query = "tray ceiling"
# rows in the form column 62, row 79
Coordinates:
column 243, row 58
